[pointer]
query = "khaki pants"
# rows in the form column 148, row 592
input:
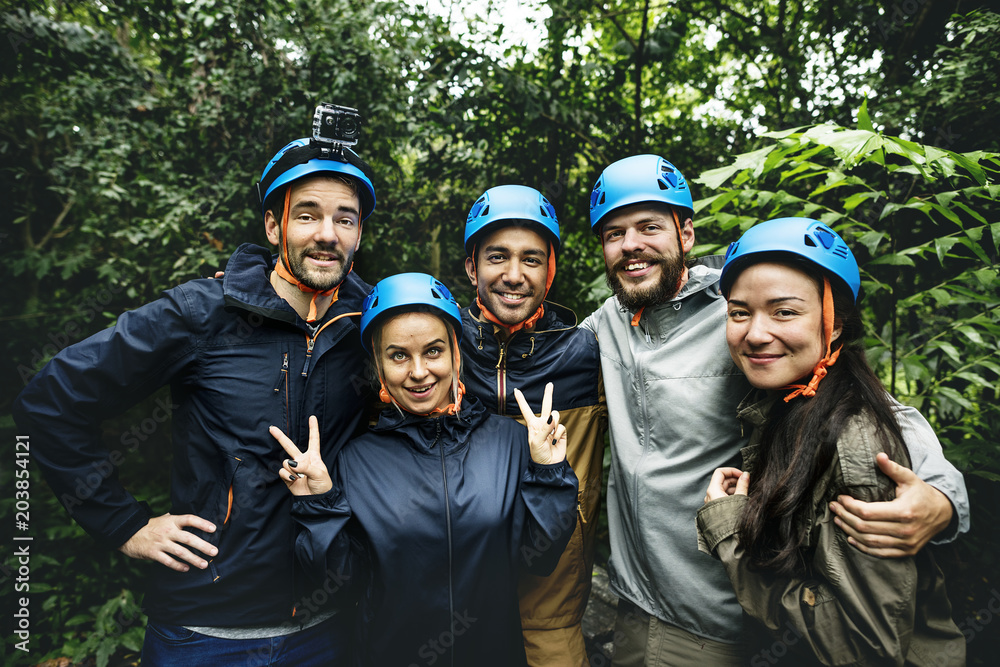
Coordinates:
column 642, row 640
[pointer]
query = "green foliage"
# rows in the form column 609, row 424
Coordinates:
column 131, row 134
column 925, row 225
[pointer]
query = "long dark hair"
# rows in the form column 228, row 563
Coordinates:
column 799, row 442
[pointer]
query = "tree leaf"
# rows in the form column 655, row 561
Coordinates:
column 943, row 245
column 864, row 122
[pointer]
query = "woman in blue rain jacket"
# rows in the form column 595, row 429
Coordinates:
column 432, row 514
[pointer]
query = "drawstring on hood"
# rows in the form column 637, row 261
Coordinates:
column 820, row 371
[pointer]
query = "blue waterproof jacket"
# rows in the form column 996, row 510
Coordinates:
column 238, row 359
column 437, row 516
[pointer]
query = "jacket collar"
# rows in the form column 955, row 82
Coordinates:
column 426, row 434
column 556, row 318
column 246, row 286
column 703, row 274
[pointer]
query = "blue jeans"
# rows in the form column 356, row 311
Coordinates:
column 325, row 645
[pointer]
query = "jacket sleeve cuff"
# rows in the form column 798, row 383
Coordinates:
column 331, row 503
column 717, row 520
column 135, row 522
column 544, row 472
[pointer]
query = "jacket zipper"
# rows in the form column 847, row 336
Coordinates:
column 225, row 522
column 502, row 380
column 311, row 340
column 447, row 518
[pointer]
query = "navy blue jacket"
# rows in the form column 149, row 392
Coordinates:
column 439, row 515
column 237, row 358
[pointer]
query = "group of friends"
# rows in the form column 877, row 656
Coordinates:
column 360, row 476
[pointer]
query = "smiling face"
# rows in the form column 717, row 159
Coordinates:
column 416, row 360
column 643, row 257
column 510, row 272
column 774, row 327
column 324, row 231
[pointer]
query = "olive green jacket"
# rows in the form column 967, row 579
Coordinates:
column 848, row 608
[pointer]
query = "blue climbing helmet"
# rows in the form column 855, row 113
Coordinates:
column 799, row 239
column 404, row 293
column 511, row 204
column 640, row 178
column 303, row 157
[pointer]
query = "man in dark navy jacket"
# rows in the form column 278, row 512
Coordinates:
column 270, row 344
column 513, row 338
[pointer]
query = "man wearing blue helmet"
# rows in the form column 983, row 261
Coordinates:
column 271, row 344
column 672, row 392
column 513, row 338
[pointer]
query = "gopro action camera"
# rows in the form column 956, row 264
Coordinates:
column 336, row 125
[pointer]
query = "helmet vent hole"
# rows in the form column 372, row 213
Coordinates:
column 809, row 241
column 545, row 214
column 663, row 186
column 485, row 212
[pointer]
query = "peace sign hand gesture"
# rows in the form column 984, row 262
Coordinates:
column 546, row 436
column 304, row 473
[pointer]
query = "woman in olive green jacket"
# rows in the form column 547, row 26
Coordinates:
column 791, row 286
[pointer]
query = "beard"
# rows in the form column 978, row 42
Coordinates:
column 318, row 279
column 633, row 298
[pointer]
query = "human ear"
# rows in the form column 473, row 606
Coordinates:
column 687, row 235
column 271, row 227
column 470, row 271
column 838, row 328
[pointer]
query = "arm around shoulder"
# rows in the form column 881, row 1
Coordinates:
column 930, row 465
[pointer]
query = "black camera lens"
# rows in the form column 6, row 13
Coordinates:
column 348, row 127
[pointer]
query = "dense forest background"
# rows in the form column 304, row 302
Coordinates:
column 131, row 134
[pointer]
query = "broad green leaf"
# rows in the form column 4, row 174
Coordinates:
column 894, row 259
column 970, row 165
column 956, row 397
column 871, row 240
column 995, row 232
column 753, row 161
column 971, row 334
column 986, row 277
column 783, row 134
column 914, row 369
column 976, row 379
column 857, row 198
column 950, row 350
column 943, row 245
column 907, row 149
column 864, row 122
